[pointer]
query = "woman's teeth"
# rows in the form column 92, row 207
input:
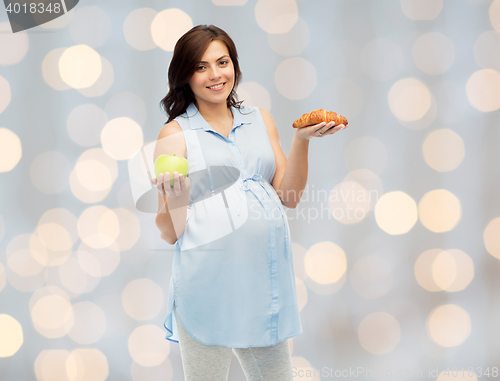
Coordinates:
column 217, row 87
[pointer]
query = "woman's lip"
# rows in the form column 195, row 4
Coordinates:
column 218, row 89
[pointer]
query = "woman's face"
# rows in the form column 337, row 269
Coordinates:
column 217, row 68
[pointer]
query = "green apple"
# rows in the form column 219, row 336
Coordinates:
column 171, row 163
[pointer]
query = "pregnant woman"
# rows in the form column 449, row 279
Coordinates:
column 233, row 281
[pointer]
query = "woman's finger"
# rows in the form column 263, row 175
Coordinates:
column 335, row 129
column 159, row 183
column 327, row 127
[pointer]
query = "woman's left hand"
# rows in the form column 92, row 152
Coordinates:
column 318, row 130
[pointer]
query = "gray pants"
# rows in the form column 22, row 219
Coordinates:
column 211, row 362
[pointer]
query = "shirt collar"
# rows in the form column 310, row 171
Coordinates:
column 200, row 122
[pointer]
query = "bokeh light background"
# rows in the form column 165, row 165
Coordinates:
column 408, row 281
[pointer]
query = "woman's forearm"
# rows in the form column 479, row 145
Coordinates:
column 171, row 218
column 295, row 176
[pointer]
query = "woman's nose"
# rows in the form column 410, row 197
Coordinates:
column 214, row 73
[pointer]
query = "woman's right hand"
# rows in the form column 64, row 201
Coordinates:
column 181, row 186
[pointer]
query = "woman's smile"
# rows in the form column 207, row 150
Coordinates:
column 217, row 87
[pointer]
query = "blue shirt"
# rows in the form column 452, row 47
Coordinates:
column 233, row 281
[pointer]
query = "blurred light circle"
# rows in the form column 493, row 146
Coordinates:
column 443, row 150
column 94, row 174
column 349, row 202
column 325, row 263
column 382, row 59
column 293, row 42
column 80, row 66
column 433, row 53
column 50, row 171
column 483, row 90
column 346, row 95
column 54, row 236
column 13, row 46
column 127, row 104
column 491, row 237
column 426, row 120
column 83, row 190
column 168, row 26
column 11, row 335
column 98, row 262
column 121, row 138
column 439, row 210
column 26, row 284
column 90, row 323
column 421, row 9
column 137, row 28
column 147, row 345
column 254, row 95
column 103, row 83
column 90, row 25
column 73, row 277
column 371, row 277
column 379, row 333
column 50, row 364
column 464, row 266
column 142, row 299
column 86, row 364
column 10, row 150
column 84, row 194
column 50, row 70
column 487, row 50
column 444, row 269
column 46, row 290
column 41, row 253
column 98, row 226
column 295, row 78
column 423, row 270
column 130, row 228
column 409, row 99
column 450, row 270
column 20, row 257
column 396, row 213
column 276, row 16
column 369, row 181
column 448, row 325
column 5, row 94
column 52, row 316
column 85, row 123
column 366, row 152
column 23, row 263
column 494, row 13
column 56, row 233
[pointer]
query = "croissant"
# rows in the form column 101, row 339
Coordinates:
column 318, row 116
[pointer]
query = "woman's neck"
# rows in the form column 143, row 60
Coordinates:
column 214, row 112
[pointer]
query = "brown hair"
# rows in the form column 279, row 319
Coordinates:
column 188, row 52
